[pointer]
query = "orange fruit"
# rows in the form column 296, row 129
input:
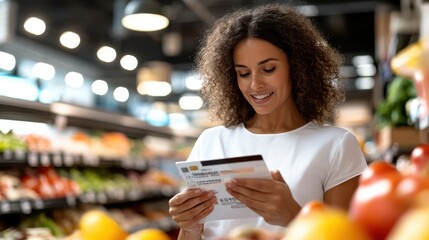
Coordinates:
column 97, row 224
column 324, row 223
column 149, row 234
column 412, row 225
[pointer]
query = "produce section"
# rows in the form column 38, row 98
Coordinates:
column 389, row 204
column 48, row 181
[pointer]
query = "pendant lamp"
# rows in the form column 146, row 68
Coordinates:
column 154, row 78
column 144, row 16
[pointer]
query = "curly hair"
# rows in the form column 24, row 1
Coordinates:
column 314, row 65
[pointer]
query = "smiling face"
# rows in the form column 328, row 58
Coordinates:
column 263, row 76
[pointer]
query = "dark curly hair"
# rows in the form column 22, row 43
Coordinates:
column 314, row 65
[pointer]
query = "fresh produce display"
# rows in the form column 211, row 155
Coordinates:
column 47, row 183
column 389, row 204
column 75, row 222
column 392, row 111
column 11, row 142
column 57, row 176
column 42, row 221
column 12, row 189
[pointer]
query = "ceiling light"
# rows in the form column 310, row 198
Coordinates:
column 192, row 82
column 154, row 79
column 364, row 83
column 35, row 26
column 129, row 62
column 144, row 15
column 191, row 102
column 74, row 79
column 70, row 40
column 106, row 54
column 121, row 94
column 7, row 61
column 99, row 87
column 43, row 71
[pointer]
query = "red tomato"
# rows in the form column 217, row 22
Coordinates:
column 410, row 186
column 420, row 159
column 377, row 170
column 375, row 205
column 30, row 182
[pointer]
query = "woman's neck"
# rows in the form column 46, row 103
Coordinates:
column 263, row 124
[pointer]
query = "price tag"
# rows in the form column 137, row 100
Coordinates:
column 7, row 155
column 68, row 160
column 119, row 194
column 90, row 160
column 19, row 154
column 39, row 204
column 90, row 197
column 141, row 165
column 164, row 224
column 126, row 163
column 71, row 200
column 133, row 195
column 32, row 159
column 44, row 159
column 101, row 198
column 57, row 160
column 25, row 207
column 5, row 207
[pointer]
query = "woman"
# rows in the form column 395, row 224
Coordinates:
column 272, row 81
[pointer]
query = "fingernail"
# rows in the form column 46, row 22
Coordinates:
column 210, row 194
column 197, row 191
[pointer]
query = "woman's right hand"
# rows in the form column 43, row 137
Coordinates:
column 188, row 208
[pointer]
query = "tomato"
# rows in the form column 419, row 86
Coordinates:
column 410, row 186
column 377, row 170
column 375, row 205
column 420, row 159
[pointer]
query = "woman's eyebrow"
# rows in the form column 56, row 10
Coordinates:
column 259, row 63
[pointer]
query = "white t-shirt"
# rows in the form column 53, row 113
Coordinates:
column 312, row 159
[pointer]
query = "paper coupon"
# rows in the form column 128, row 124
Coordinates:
column 211, row 175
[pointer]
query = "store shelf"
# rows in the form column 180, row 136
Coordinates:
column 27, row 206
column 35, row 159
column 117, row 197
column 78, row 116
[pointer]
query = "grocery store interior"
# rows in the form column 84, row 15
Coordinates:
column 95, row 111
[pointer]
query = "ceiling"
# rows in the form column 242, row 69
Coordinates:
column 348, row 25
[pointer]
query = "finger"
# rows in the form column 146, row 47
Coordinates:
column 277, row 176
column 182, row 197
column 191, row 203
column 257, row 204
column 196, row 219
column 191, row 214
column 259, row 185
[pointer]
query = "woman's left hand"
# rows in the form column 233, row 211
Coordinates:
column 271, row 199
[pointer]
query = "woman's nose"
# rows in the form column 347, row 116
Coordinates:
column 257, row 82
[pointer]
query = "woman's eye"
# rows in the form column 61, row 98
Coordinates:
column 243, row 74
column 269, row 70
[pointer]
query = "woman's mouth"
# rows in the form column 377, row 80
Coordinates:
column 259, row 98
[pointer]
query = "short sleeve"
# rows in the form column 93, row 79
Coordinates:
column 348, row 161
